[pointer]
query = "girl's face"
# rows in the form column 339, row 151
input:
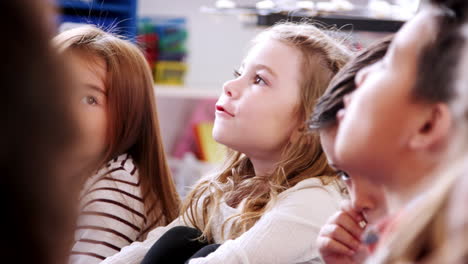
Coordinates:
column 366, row 197
column 90, row 105
column 256, row 114
column 381, row 116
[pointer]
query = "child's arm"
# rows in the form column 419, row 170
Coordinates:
column 134, row 253
column 285, row 234
column 339, row 240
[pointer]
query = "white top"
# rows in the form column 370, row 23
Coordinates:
column 112, row 212
column 284, row 234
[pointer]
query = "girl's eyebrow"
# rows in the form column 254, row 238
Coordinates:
column 96, row 88
column 261, row 67
column 264, row 67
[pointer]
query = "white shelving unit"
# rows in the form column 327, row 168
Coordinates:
column 175, row 106
column 185, row 92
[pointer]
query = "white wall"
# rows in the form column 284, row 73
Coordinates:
column 216, row 44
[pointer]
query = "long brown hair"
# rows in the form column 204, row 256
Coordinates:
column 133, row 121
column 303, row 158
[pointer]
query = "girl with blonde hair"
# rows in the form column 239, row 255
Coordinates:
column 131, row 190
column 276, row 190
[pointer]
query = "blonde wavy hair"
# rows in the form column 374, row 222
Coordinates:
column 237, row 184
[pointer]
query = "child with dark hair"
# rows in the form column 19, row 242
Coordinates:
column 339, row 240
column 397, row 127
column 433, row 228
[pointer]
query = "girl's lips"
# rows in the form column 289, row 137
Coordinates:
column 221, row 109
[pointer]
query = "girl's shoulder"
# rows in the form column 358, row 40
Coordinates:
column 316, row 184
column 121, row 165
column 311, row 183
column 118, row 175
column 309, row 199
column 121, row 171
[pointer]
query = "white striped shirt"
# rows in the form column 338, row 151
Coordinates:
column 112, row 212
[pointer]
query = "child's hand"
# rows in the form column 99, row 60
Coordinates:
column 339, row 239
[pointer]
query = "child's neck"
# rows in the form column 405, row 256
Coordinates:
column 263, row 166
column 416, row 181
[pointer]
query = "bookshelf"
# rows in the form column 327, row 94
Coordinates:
column 176, row 107
column 116, row 15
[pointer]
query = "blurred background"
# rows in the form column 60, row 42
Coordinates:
column 193, row 46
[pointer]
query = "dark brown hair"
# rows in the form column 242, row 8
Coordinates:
column 36, row 138
column 438, row 60
column 456, row 8
column 423, row 230
column 133, row 121
column 324, row 113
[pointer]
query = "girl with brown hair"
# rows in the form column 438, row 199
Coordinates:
column 276, row 190
column 132, row 190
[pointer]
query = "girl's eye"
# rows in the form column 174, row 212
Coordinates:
column 237, row 74
column 343, row 176
column 90, row 100
column 258, row 80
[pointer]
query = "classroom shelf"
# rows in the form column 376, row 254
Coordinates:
column 354, row 23
column 186, row 92
column 355, row 20
column 79, row 5
column 119, row 16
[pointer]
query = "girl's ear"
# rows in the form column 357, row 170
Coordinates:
column 434, row 130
